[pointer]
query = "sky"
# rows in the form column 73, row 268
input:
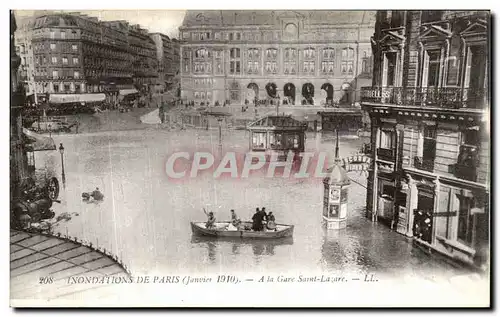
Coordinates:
column 163, row 21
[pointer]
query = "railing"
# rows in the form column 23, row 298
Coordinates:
column 465, row 172
column 386, row 154
column 423, row 164
column 453, row 98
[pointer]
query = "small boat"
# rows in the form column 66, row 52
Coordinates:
column 225, row 229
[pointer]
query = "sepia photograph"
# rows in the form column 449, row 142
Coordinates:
column 207, row 158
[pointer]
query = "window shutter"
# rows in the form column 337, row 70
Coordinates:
column 425, row 70
column 467, row 69
column 384, row 71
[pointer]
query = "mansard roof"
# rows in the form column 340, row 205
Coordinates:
column 226, row 18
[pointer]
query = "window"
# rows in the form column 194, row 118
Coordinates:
column 290, row 65
column 75, row 60
column 74, row 47
column 63, row 34
column 238, row 36
column 67, row 87
column 328, row 59
column 432, row 69
column 366, row 63
column 259, row 140
column 234, row 67
column 347, row 64
column 271, row 53
column 253, row 54
column 465, row 220
column 309, row 53
column 56, row 86
column 76, row 74
column 230, row 36
column 52, row 46
column 389, row 76
column 217, row 35
column 65, row 60
column 235, row 63
column 235, row 53
column 54, row 59
column 52, row 34
column 202, row 54
column 77, row 87
column 185, row 35
column 386, row 139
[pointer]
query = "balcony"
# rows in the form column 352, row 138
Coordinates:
column 386, row 154
column 423, row 164
column 449, row 98
column 464, row 172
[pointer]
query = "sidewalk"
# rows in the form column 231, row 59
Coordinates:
column 41, row 267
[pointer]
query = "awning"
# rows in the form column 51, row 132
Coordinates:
column 125, row 92
column 68, row 98
column 37, row 142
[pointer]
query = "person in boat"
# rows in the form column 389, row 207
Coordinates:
column 257, row 220
column 271, row 221
column 97, row 195
column 210, row 224
column 235, row 221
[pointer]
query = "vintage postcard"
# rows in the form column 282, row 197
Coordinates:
column 250, row 158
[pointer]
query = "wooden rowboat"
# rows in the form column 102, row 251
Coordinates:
column 224, row 229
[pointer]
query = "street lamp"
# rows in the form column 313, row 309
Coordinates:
column 61, row 150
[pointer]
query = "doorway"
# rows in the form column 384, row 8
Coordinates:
column 289, row 93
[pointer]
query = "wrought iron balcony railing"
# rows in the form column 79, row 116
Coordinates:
column 423, row 164
column 386, row 154
column 445, row 97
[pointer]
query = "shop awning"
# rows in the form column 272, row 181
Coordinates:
column 38, row 142
column 68, row 98
column 125, row 92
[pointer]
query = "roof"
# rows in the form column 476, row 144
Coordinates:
column 276, row 121
column 338, row 175
column 270, row 17
column 33, row 256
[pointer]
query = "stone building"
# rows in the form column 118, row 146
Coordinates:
column 299, row 57
column 71, row 53
column 429, row 108
column 167, row 54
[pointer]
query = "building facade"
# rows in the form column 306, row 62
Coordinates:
column 167, row 54
column 429, row 108
column 298, row 57
column 71, row 53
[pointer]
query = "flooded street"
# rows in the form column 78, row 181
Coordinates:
column 145, row 216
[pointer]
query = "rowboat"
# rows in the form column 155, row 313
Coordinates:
column 225, row 229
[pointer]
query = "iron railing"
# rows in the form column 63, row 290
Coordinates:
column 443, row 97
column 423, row 164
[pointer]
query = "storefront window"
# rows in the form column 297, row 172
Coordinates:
column 275, row 140
column 259, row 140
column 465, row 221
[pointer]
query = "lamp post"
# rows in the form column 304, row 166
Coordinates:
column 61, row 150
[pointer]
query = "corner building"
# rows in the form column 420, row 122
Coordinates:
column 429, row 108
column 298, row 57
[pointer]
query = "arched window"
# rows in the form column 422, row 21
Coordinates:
column 291, row 31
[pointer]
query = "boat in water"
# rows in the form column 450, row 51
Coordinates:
column 226, row 230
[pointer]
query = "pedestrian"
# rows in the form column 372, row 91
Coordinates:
column 257, row 221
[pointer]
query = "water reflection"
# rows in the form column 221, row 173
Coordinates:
column 259, row 247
